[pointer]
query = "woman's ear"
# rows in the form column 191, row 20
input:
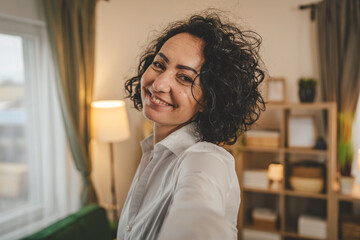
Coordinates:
column 202, row 105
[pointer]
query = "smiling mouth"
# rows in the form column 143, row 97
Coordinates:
column 158, row 101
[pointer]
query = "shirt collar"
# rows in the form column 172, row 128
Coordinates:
column 177, row 142
column 147, row 144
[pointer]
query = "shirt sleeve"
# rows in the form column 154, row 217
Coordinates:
column 198, row 208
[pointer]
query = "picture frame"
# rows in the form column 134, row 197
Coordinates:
column 276, row 90
column 302, row 131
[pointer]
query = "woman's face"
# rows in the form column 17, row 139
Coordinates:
column 166, row 84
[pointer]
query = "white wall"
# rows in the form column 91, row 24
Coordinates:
column 124, row 28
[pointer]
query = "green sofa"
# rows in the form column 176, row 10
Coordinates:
column 89, row 223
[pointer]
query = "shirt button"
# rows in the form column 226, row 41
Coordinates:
column 128, row 228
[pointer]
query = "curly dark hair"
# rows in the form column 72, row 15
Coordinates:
column 229, row 77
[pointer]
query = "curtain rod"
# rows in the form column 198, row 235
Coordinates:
column 312, row 7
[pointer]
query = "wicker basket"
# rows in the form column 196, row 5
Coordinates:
column 264, row 219
column 265, row 224
column 350, row 227
column 257, row 138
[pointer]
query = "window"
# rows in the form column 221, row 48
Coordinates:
column 33, row 168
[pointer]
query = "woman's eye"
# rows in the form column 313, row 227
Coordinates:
column 185, row 79
column 158, row 65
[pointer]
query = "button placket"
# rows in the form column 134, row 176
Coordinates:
column 128, row 228
column 139, row 191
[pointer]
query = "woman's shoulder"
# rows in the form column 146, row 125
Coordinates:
column 208, row 148
column 207, row 155
column 209, row 161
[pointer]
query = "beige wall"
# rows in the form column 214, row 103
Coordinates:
column 28, row 9
column 124, row 27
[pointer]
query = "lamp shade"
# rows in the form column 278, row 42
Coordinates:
column 110, row 121
column 275, row 172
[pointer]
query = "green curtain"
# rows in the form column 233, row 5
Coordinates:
column 71, row 29
column 339, row 44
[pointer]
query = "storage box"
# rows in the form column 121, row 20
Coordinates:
column 255, row 179
column 262, row 138
column 264, row 218
column 312, row 226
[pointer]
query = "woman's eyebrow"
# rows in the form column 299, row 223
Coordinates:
column 163, row 57
column 177, row 66
column 186, row 68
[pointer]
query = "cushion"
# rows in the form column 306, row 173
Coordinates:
column 88, row 223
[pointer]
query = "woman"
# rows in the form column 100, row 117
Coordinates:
column 198, row 82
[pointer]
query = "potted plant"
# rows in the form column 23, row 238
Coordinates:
column 320, row 143
column 345, row 152
column 307, row 89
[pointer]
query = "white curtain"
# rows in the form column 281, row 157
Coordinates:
column 38, row 181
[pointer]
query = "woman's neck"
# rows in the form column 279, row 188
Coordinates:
column 162, row 131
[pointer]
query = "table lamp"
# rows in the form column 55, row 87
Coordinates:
column 275, row 174
column 110, row 125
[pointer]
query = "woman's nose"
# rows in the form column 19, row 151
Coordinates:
column 162, row 82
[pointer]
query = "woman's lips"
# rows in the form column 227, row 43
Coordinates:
column 158, row 101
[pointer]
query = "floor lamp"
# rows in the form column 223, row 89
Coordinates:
column 110, row 125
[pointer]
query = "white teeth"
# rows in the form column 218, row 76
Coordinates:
column 158, row 101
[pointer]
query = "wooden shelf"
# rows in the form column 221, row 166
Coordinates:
column 261, row 149
column 349, row 198
column 296, row 235
column 307, row 151
column 291, row 193
column 305, row 194
column 252, row 227
column 261, row 190
column 296, row 106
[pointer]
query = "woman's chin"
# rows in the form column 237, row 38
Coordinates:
column 151, row 115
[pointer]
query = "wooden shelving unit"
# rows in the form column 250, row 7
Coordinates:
column 284, row 199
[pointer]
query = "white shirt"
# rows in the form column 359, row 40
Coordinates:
column 187, row 190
